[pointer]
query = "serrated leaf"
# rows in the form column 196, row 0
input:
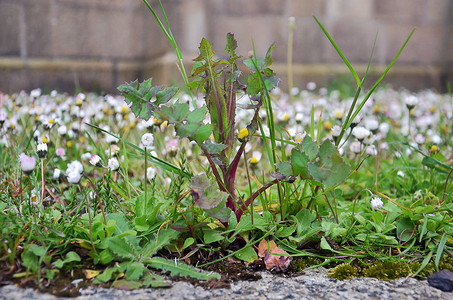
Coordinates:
column 140, row 106
column 155, row 281
column 231, row 45
column 164, row 238
column 206, row 52
column 122, row 248
column 135, row 271
column 179, row 269
column 213, row 148
column 165, row 95
column 330, row 169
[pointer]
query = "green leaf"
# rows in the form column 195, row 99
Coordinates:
column 164, row 238
column 284, row 168
column 303, row 218
column 140, row 106
column 165, row 95
column 299, row 163
column 122, row 248
column 213, row 148
column 123, row 284
column 404, row 229
column 39, row 251
column 188, row 242
column 155, row 281
column 310, row 148
column 206, row 52
column 325, row 245
column 197, row 116
column 72, row 256
column 247, row 254
column 186, row 130
column 179, row 269
column 106, row 275
column 231, row 44
column 205, row 193
column 212, row 236
column 331, row 169
column 440, row 250
column 203, row 133
column 58, row 263
column 135, row 271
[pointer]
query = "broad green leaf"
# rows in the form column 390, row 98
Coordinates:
column 188, row 242
column 299, row 163
column 203, row 133
column 212, row 236
column 404, row 229
column 303, row 220
column 186, row 130
column 309, row 147
column 177, row 268
column 213, row 148
column 247, row 254
column 284, row 168
column 38, row 250
column 105, row 276
column 206, row 194
column 331, row 169
column 155, row 281
column 135, row 271
column 71, row 256
column 197, row 115
column 325, row 245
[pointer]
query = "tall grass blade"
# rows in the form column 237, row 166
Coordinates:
column 354, row 73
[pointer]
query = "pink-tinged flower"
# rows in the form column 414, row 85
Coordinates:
column 27, row 163
column 96, row 160
column 60, row 152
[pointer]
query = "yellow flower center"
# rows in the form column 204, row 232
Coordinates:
column 69, row 144
column 254, row 161
column 45, row 140
column 327, row 125
column 243, row 133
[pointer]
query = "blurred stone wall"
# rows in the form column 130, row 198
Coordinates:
column 99, row 44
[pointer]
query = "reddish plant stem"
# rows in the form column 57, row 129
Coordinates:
column 247, row 202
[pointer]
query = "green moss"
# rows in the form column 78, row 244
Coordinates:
column 388, row 270
column 446, row 262
column 344, row 271
column 299, row 264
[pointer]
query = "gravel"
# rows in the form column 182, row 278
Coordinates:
column 315, row 284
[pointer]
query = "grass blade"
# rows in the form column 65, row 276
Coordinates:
column 354, row 73
column 440, row 249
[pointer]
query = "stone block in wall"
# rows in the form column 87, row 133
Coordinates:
column 39, row 21
column 349, row 9
column 253, row 7
column 403, row 12
column 308, row 41
column 306, row 8
column 10, row 18
column 439, row 12
column 91, row 32
column 425, row 47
